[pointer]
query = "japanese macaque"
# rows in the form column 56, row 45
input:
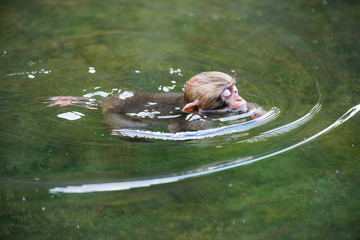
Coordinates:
column 212, row 91
column 205, row 93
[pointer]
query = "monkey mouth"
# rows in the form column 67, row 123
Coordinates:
column 241, row 108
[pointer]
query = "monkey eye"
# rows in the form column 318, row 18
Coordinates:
column 235, row 89
column 226, row 93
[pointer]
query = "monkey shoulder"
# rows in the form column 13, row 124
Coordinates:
column 139, row 102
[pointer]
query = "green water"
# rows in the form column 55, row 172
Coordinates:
column 290, row 55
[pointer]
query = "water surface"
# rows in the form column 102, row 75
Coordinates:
column 291, row 175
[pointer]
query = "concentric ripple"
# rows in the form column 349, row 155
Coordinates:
column 117, row 186
column 200, row 134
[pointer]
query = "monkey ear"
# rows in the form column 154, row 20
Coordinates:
column 192, row 107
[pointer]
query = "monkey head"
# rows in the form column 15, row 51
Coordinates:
column 212, row 91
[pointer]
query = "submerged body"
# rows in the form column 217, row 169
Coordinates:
column 144, row 110
column 141, row 109
column 206, row 94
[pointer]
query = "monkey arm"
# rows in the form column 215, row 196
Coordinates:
column 63, row 101
column 117, row 121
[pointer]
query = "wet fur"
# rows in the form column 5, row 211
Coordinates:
column 206, row 87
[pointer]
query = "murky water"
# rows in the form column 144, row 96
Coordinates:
column 292, row 174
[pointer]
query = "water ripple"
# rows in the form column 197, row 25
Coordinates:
column 201, row 134
column 117, row 186
column 288, row 127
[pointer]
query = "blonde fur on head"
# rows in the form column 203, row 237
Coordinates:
column 206, row 87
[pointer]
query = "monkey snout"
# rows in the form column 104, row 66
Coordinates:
column 244, row 109
column 238, row 98
column 240, row 105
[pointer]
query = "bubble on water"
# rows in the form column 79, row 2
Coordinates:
column 98, row 93
column 92, row 70
column 71, row 115
column 144, row 114
column 125, row 95
column 173, row 71
column 166, row 89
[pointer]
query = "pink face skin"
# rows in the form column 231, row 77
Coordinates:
column 232, row 98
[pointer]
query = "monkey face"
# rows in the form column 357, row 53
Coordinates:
column 212, row 91
column 232, row 99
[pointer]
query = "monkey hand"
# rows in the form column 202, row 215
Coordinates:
column 63, row 101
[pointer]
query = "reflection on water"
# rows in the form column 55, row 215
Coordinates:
column 298, row 59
